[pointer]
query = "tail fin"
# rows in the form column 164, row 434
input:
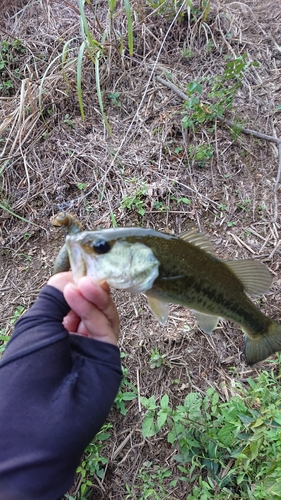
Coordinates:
column 262, row 346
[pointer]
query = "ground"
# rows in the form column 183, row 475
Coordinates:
column 146, row 172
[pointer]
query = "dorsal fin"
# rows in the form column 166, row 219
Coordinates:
column 254, row 275
column 198, row 239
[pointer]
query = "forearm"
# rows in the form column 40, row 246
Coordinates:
column 52, row 396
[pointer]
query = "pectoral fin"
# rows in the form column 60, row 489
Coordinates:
column 207, row 322
column 159, row 308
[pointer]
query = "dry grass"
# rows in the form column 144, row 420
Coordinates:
column 48, row 152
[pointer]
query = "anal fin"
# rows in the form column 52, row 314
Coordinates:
column 207, row 322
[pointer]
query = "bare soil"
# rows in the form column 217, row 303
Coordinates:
column 234, row 197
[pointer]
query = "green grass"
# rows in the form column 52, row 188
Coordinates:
column 225, row 448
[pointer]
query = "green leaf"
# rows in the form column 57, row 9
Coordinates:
column 194, row 87
column 255, row 447
column 129, row 396
column 148, row 427
column 225, row 434
column 130, row 26
column 164, row 401
column 185, row 200
column 3, row 207
column 161, row 419
column 79, row 79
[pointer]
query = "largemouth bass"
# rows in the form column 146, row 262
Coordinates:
column 181, row 270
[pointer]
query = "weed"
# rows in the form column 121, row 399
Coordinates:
column 184, row 200
column 113, row 219
column 124, row 395
column 3, row 339
column 93, row 462
column 115, row 99
column 221, row 91
column 68, row 121
column 156, row 359
column 88, row 207
column 10, row 60
column 16, row 315
column 244, row 205
column 27, row 258
column 186, row 53
column 151, row 482
column 231, row 223
column 136, row 200
column 228, row 448
column 201, row 153
column 159, row 205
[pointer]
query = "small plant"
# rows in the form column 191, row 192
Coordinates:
column 3, row 340
column 220, row 92
column 244, row 205
column 16, row 315
column 201, row 153
column 68, row 121
column 136, row 200
column 156, row 359
column 93, row 462
column 187, row 53
column 115, row 99
column 10, row 59
column 184, row 200
column 124, row 395
column 159, row 205
column 152, row 482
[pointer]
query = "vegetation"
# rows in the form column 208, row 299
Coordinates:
column 225, row 449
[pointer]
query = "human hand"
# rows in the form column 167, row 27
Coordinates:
column 93, row 313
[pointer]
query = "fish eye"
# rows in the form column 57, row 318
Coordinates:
column 101, row 246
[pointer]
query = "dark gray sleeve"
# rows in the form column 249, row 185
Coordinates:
column 56, row 391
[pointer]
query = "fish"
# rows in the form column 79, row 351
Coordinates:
column 180, row 269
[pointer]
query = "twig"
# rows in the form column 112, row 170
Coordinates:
column 138, row 386
column 246, row 131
